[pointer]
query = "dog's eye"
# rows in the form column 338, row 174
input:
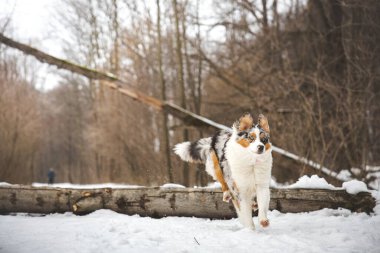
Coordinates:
column 264, row 138
column 251, row 138
column 241, row 134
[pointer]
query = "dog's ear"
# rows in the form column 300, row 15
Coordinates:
column 263, row 123
column 245, row 122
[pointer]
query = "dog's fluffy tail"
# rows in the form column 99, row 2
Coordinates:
column 194, row 151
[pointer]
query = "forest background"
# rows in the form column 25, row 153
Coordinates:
column 312, row 67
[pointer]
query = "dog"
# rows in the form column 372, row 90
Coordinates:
column 241, row 160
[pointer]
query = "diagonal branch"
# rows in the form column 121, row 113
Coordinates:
column 113, row 82
column 118, row 84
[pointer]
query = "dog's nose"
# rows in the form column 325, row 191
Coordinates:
column 260, row 148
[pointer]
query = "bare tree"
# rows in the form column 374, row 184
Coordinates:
column 165, row 129
column 181, row 82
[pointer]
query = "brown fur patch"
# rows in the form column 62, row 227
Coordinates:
column 245, row 122
column 267, row 146
column 218, row 172
column 244, row 142
column 253, row 135
column 263, row 123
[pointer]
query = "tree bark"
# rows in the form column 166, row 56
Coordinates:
column 181, row 81
column 165, row 128
column 161, row 202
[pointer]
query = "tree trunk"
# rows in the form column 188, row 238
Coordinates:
column 165, row 128
column 161, row 202
column 181, row 81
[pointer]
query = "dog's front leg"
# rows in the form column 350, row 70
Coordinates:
column 263, row 198
column 244, row 212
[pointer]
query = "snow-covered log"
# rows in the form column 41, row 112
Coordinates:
column 161, row 202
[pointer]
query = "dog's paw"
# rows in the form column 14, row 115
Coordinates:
column 227, row 196
column 264, row 223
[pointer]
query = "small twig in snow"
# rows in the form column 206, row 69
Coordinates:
column 196, row 240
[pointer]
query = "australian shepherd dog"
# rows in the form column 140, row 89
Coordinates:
column 241, row 160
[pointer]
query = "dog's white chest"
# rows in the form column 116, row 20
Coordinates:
column 247, row 170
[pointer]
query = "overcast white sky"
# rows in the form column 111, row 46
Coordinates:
column 30, row 20
column 30, row 23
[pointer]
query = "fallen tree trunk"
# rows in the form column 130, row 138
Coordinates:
column 161, row 202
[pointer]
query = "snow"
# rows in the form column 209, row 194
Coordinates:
column 5, row 184
column 376, row 195
column 373, row 172
column 97, row 186
column 325, row 230
column 86, row 186
column 313, row 182
column 106, row 231
column 345, row 175
column 355, row 186
column 172, row 186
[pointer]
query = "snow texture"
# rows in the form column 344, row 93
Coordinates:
column 376, row 195
column 313, row 182
column 355, row 186
column 345, row 174
column 86, row 186
column 373, row 172
column 106, row 231
column 326, row 230
column 172, row 186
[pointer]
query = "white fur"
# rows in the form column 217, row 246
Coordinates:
column 252, row 173
column 182, row 150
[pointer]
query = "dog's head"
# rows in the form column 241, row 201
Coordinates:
column 254, row 137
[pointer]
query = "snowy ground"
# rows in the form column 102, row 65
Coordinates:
column 106, row 231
